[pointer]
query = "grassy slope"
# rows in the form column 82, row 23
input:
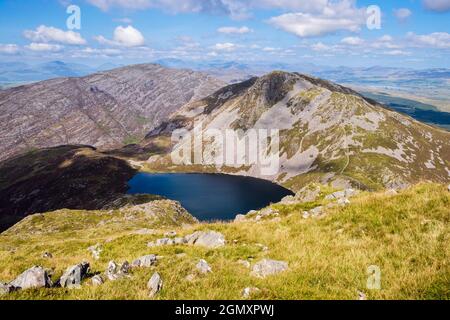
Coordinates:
column 406, row 235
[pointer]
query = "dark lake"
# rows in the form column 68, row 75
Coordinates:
column 210, row 196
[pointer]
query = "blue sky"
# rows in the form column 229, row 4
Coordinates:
column 413, row 33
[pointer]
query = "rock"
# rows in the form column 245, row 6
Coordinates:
column 307, row 194
column 208, row 239
column 258, row 217
column 97, row 280
column 347, row 193
column 35, row 277
column 170, row 234
column 448, row 187
column 305, row 215
column 391, row 192
column 276, row 219
column 155, row 284
column 203, row 267
column 47, row 255
column 164, row 242
column 95, row 251
column 144, row 232
column 317, row 211
column 244, row 263
column 145, row 261
column 6, row 288
column 268, row 267
column 249, row 291
column 240, row 218
column 115, row 271
column 362, row 295
column 343, row 202
column 179, row 240
column 74, row 275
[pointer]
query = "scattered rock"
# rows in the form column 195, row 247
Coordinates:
column 155, row 284
column 179, row 240
column 305, row 215
column 74, row 275
column 268, row 267
column 208, row 239
column 240, row 218
column 97, row 280
column 47, row 255
column 249, row 291
column 95, row 251
column 203, row 267
column 170, row 234
column 244, row 263
column 115, row 271
column 316, row 212
column 35, row 277
column 145, row 232
column 145, row 261
column 6, row 288
column 343, row 202
column 362, row 295
column 347, row 193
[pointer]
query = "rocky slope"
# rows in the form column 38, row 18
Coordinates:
column 327, row 133
column 106, row 109
column 75, row 177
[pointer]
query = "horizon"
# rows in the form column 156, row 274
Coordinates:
column 324, row 33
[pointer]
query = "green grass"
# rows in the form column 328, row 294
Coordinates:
column 406, row 235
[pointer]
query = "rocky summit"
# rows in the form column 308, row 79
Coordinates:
column 108, row 109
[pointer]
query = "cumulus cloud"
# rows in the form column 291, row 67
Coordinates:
column 397, row 53
column 124, row 36
column 335, row 16
column 9, row 48
column 44, row 47
column 235, row 30
column 435, row 40
column 227, row 46
column 352, row 41
column 402, row 14
column 437, row 5
column 44, row 34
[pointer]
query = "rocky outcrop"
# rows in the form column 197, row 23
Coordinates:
column 117, row 271
column 207, row 239
column 35, row 277
column 74, row 275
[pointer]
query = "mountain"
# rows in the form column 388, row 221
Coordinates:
column 106, row 109
column 328, row 133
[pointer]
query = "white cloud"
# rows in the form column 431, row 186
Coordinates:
column 335, row 16
column 9, row 48
column 44, row 34
column 437, row 5
column 386, row 38
column 435, row 40
column 320, row 47
column 124, row 20
column 402, row 14
column 124, row 36
column 352, row 41
column 44, row 47
column 235, row 30
column 227, row 46
column 396, row 53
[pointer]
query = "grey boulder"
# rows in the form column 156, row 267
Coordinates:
column 267, row 267
column 35, row 277
column 74, row 275
column 6, row 288
column 155, row 284
column 145, row 261
column 208, row 239
column 203, row 267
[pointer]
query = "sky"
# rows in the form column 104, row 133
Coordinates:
column 363, row 33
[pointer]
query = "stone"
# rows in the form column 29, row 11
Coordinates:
column 267, row 267
column 240, row 218
column 317, row 211
column 47, row 255
column 155, row 284
column 203, row 267
column 35, row 277
column 249, row 291
column 6, row 288
column 170, row 234
column 208, row 239
column 362, row 295
column 95, row 251
column 115, row 271
column 448, row 187
column 74, row 275
column 341, row 194
column 305, row 215
column 97, row 280
column 145, row 261
column 179, row 240
column 391, row 192
column 307, row 194
column 164, row 242
column 244, row 263
column 343, row 202
column 144, row 232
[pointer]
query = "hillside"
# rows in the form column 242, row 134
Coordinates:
column 328, row 133
column 405, row 235
column 106, row 109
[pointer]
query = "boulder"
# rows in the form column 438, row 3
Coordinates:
column 179, row 240
column 6, row 288
column 317, row 211
column 170, row 234
column 115, row 271
column 97, row 280
column 343, row 202
column 239, row 218
column 35, row 277
column 203, row 267
column 145, row 261
column 249, row 291
column 95, row 251
column 155, row 284
column 74, row 275
column 347, row 193
column 267, row 267
column 208, row 239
